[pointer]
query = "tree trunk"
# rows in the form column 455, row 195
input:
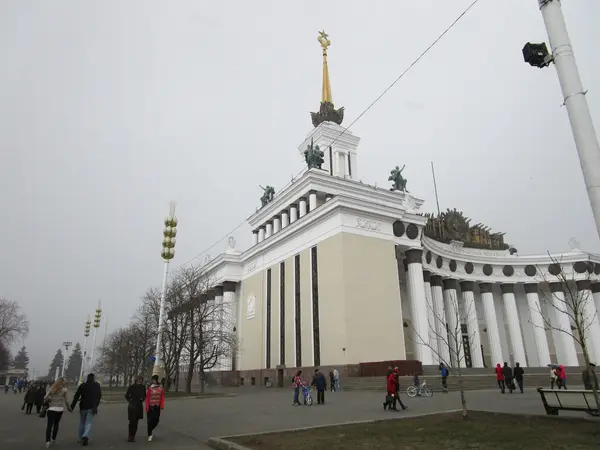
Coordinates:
column 586, row 358
column 189, row 378
column 202, row 380
column 463, row 400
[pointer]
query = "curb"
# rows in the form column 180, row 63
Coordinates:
column 222, row 443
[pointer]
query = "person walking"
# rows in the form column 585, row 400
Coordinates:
column 500, row 377
column 30, row 396
column 553, row 379
column 58, row 400
column 444, row 373
column 320, row 385
column 397, row 396
column 155, row 403
column 331, row 382
column 88, row 395
column 561, row 375
column 39, row 397
column 508, row 377
column 336, row 379
column 518, row 373
column 390, row 401
column 135, row 396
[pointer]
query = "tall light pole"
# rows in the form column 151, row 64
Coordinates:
column 97, row 317
column 66, row 345
column 573, row 92
column 167, row 254
column 86, row 333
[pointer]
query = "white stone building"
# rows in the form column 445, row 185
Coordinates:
column 342, row 273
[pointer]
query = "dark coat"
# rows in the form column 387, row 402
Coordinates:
column 31, row 394
column 90, row 394
column 319, row 382
column 136, row 395
column 507, row 372
column 40, row 394
column 518, row 372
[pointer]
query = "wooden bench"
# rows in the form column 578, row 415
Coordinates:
column 555, row 400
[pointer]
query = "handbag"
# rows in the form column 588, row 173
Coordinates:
column 44, row 411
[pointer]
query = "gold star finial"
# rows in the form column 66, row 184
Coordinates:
column 323, row 40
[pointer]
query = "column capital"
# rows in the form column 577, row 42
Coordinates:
column 485, row 288
column 328, row 196
column 276, row 217
column 583, row 285
column 436, row 280
column 450, row 283
column 294, row 205
column 595, row 288
column 218, row 291
column 283, row 211
column 255, row 231
column 556, row 287
column 312, row 191
column 507, row 288
column 466, row 286
column 228, row 286
column 302, row 199
column 426, row 276
column 531, row 288
column 414, row 255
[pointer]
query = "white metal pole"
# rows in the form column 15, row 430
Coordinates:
column 582, row 126
column 91, row 368
column 156, row 370
column 56, row 373
column 83, row 360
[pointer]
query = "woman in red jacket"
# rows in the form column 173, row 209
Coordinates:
column 155, row 403
column 390, row 399
column 500, row 377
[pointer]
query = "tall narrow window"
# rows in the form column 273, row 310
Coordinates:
column 349, row 166
column 330, row 161
column 315, row 306
column 268, row 350
column 297, row 311
column 282, row 313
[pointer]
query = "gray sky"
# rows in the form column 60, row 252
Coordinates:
column 109, row 109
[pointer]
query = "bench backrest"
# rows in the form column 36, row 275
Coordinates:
column 563, row 399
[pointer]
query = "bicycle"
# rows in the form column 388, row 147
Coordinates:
column 306, row 394
column 421, row 390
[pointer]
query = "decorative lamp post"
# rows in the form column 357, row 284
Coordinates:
column 86, row 333
column 66, row 345
column 167, row 254
column 97, row 317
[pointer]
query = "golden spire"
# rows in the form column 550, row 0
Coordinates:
column 325, row 43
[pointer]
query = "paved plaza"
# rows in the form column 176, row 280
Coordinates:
column 187, row 423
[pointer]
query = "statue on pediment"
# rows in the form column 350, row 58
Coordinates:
column 268, row 195
column 313, row 156
column 398, row 181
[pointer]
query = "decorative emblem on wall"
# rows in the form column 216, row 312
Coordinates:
column 251, row 307
column 368, row 224
column 251, row 266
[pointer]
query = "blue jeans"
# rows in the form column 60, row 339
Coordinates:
column 85, row 423
column 296, row 394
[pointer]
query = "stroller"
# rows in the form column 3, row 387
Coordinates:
column 306, row 394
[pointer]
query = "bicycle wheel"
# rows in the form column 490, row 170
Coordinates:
column 309, row 400
column 428, row 392
column 411, row 391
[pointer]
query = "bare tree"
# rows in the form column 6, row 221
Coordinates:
column 567, row 299
column 13, row 323
column 446, row 330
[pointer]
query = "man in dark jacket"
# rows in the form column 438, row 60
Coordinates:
column 320, row 385
column 88, row 395
column 518, row 373
column 508, row 377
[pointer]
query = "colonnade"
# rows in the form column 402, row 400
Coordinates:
column 440, row 315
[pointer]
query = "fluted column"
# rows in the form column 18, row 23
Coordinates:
column 217, row 323
column 430, row 314
column 514, row 326
column 261, row 234
column 472, row 323
column 254, row 237
column 268, row 229
column 457, row 356
column 539, row 327
column 586, row 300
column 418, row 302
column 293, row 212
column 491, row 322
column 596, row 295
column 302, row 206
column 285, row 219
column 566, row 353
column 276, row 224
column 229, row 321
column 312, row 200
column 441, row 335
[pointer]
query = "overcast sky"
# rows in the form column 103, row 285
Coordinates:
column 109, row 109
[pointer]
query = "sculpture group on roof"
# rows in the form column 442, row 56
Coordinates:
column 313, row 156
column 398, row 181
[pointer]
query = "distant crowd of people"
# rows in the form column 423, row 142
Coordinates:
column 52, row 403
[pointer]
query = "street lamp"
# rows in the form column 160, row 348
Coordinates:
column 167, row 254
column 97, row 317
column 86, row 333
column 573, row 92
column 66, row 345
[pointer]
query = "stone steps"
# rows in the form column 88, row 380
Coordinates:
column 470, row 382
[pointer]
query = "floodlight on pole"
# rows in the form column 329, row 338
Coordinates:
column 573, row 92
column 97, row 318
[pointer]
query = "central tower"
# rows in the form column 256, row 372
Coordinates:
column 338, row 144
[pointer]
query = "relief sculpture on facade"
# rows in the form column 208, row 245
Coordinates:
column 368, row 224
